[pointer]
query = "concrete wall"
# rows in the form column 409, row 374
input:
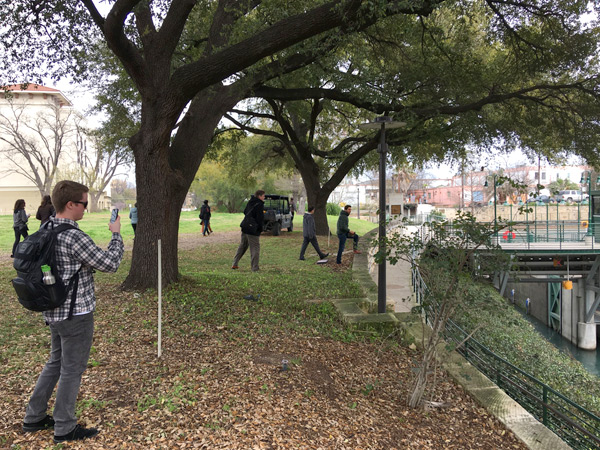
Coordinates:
column 572, row 212
column 569, row 313
column 572, row 304
column 538, row 296
column 9, row 196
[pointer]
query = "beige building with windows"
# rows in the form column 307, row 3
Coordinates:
column 38, row 138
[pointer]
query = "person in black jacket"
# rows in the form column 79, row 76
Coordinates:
column 309, row 231
column 45, row 211
column 205, row 217
column 254, row 212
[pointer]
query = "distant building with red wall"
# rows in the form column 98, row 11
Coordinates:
column 469, row 189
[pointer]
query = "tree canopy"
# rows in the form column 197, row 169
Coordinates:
column 445, row 76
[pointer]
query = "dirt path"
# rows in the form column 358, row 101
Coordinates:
column 186, row 242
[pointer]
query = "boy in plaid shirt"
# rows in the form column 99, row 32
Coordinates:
column 71, row 337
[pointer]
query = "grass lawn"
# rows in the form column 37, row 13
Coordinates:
column 220, row 382
column 96, row 225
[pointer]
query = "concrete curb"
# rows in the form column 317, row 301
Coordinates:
column 360, row 313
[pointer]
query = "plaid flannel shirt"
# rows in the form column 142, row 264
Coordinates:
column 74, row 250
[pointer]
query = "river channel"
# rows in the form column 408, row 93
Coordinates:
column 588, row 358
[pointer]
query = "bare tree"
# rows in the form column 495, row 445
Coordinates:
column 34, row 145
column 99, row 162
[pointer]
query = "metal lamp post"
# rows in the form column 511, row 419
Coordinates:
column 495, row 178
column 588, row 180
column 358, row 202
column 381, row 123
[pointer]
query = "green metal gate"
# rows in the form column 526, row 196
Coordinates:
column 554, row 295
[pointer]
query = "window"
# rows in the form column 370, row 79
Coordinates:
column 448, row 193
column 543, row 175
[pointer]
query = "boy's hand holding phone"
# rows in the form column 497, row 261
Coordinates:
column 115, row 221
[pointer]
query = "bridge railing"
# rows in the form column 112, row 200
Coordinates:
column 555, row 233
column 574, row 424
column 560, row 231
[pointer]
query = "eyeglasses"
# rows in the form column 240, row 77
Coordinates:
column 82, row 203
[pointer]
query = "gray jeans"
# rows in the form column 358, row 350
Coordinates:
column 248, row 240
column 314, row 243
column 71, row 343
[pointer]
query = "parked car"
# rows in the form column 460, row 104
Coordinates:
column 569, row 195
column 541, row 199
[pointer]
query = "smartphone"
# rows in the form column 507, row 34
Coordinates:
column 114, row 215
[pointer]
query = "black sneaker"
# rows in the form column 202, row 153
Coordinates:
column 301, row 259
column 44, row 424
column 325, row 256
column 79, row 433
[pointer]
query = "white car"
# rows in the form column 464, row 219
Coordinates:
column 569, row 195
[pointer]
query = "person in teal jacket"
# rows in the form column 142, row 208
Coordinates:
column 344, row 232
column 133, row 216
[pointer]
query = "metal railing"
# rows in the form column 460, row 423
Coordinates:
column 574, row 424
column 557, row 232
column 560, row 235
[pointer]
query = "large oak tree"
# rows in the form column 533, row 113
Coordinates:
column 194, row 60
column 479, row 95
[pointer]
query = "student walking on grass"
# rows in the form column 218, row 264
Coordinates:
column 344, row 232
column 252, row 226
column 71, row 333
column 205, row 217
column 20, row 218
column 133, row 216
column 309, row 231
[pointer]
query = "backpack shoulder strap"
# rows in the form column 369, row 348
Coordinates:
column 74, row 282
column 251, row 209
column 63, row 227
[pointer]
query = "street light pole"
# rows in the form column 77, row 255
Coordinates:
column 381, row 122
column 382, row 280
column 494, row 178
column 358, row 201
column 589, row 232
column 589, row 181
column 495, row 212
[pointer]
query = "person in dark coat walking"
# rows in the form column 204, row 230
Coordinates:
column 20, row 218
column 205, row 217
column 309, row 231
column 45, row 211
column 250, row 237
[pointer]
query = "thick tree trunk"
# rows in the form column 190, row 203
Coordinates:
column 319, row 201
column 159, row 200
column 317, row 197
column 165, row 169
column 94, row 197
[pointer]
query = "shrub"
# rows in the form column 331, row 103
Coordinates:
column 333, row 209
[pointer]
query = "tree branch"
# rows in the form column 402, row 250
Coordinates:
column 282, row 35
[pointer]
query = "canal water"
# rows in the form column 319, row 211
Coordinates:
column 588, row 358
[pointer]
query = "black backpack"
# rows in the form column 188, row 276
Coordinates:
column 37, row 250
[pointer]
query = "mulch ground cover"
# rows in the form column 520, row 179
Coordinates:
column 215, row 387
